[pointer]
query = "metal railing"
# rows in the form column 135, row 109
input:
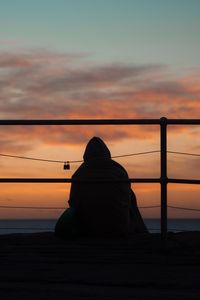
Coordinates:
column 163, row 180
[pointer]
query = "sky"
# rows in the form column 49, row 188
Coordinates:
column 81, row 59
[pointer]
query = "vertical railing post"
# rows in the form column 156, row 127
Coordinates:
column 163, row 178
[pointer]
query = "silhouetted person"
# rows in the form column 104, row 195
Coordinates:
column 100, row 208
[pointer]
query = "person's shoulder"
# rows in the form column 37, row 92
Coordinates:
column 119, row 167
column 79, row 171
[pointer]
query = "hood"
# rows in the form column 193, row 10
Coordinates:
column 96, row 148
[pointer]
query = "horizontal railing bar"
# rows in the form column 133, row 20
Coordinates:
column 183, row 121
column 103, row 122
column 186, row 181
column 69, row 180
column 82, row 122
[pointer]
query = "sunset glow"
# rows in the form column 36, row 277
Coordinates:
column 64, row 72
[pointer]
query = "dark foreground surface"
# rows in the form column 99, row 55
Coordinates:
column 39, row 266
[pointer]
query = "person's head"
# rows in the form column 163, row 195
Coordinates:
column 96, row 149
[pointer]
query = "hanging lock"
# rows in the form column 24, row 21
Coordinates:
column 66, row 166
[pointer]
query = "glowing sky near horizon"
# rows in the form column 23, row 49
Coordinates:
column 98, row 59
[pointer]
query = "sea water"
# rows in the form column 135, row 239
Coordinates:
column 44, row 225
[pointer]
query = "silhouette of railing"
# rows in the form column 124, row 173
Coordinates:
column 163, row 180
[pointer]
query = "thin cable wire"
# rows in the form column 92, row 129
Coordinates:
column 183, row 153
column 79, row 161
column 31, row 207
column 49, row 207
column 72, row 161
column 183, row 208
column 134, row 154
column 32, row 158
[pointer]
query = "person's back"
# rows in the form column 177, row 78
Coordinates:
column 102, row 205
column 102, row 198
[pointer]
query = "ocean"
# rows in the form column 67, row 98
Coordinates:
column 31, row 226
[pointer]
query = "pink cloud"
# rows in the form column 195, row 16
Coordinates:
column 42, row 84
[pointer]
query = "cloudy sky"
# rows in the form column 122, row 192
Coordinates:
column 79, row 59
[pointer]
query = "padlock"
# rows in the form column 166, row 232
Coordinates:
column 66, row 165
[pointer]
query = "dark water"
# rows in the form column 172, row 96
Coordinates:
column 30, row 226
column 174, row 225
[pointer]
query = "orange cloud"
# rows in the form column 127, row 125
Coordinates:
column 42, row 84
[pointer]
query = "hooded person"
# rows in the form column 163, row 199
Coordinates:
column 101, row 201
